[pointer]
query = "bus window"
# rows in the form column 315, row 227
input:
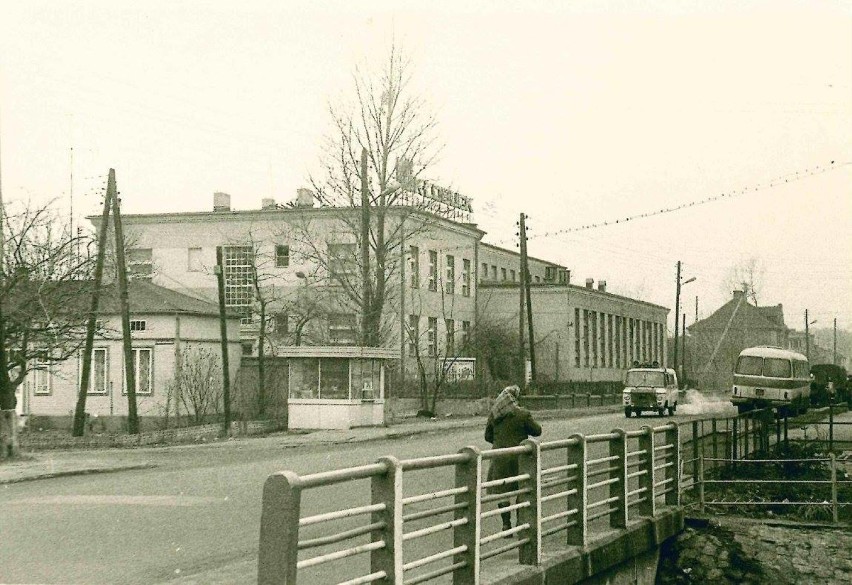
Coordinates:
column 749, row 365
column 800, row 369
column 776, row 368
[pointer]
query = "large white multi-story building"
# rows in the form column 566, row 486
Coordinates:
column 441, row 279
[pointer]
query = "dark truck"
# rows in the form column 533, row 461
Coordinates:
column 821, row 375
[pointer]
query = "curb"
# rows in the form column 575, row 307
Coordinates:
column 71, row 472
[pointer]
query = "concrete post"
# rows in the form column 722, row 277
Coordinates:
column 672, row 435
column 646, row 480
column 387, row 489
column 576, row 455
column 469, row 475
column 695, row 439
column 530, row 553
column 618, row 489
column 279, row 529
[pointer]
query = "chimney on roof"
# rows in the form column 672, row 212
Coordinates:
column 304, row 197
column 221, row 201
column 738, row 294
column 602, row 285
column 267, row 203
column 590, row 283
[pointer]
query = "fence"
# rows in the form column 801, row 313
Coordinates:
column 560, row 401
column 833, row 483
column 571, row 487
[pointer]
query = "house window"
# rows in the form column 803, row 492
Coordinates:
column 550, row 274
column 602, row 339
column 433, row 270
column 342, row 260
column 493, row 272
column 465, row 335
column 450, row 284
column 609, row 342
column 247, row 347
column 140, row 264
column 414, row 267
column 563, row 277
column 41, row 377
column 143, row 370
column 465, row 277
column 193, row 260
column 432, row 337
column 617, row 342
column 585, row 338
column 577, row 338
column 594, row 339
column 484, row 271
column 98, row 374
column 342, row 329
column 450, row 326
column 334, row 378
column 138, row 325
column 513, row 275
column 239, row 282
column 282, row 256
column 502, row 274
column 413, row 334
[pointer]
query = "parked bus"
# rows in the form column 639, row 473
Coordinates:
column 771, row 376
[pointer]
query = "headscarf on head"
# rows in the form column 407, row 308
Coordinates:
column 506, row 402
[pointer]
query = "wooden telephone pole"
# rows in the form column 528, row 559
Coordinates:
column 525, row 293
column 223, row 330
column 676, row 318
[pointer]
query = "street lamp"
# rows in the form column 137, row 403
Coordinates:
column 677, row 313
column 808, row 323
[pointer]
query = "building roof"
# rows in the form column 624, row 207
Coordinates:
column 518, row 254
column 742, row 315
column 556, row 288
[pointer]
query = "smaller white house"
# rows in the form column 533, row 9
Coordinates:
column 163, row 323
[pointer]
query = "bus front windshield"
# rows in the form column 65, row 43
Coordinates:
column 749, row 365
column 652, row 379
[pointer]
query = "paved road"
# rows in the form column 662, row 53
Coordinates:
column 199, row 510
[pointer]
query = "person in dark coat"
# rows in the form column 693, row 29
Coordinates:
column 508, row 425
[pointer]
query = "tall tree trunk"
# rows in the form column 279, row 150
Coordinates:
column 261, row 365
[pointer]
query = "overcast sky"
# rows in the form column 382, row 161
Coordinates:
column 573, row 115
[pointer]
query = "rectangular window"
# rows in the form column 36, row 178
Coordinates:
column 303, row 378
column 433, row 270
column 450, row 346
column 282, row 256
column 342, row 260
column 465, row 277
column 334, row 378
column 550, row 274
column 143, row 370
column 465, row 336
column 609, row 341
column 413, row 334
column 342, row 329
column 98, row 375
column 247, row 347
column 414, row 267
column 194, row 261
column 450, row 284
column 502, row 274
column 617, row 342
column 594, row 339
column 630, row 341
column 239, row 280
column 603, row 340
column 661, row 343
column 282, row 323
column 514, row 275
column 484, row 275
column 432, row 337
column 585, row 338
column 577, row 351
column 138, row 325
column 493, row 272
column 140, row 265
column 41, row 377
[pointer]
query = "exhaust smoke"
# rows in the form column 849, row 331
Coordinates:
column 696, row 402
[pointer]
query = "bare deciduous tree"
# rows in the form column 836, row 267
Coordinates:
column 198, row 383
column 746, row 276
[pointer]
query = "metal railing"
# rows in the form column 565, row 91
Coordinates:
column 833, row 483
column 574, row 486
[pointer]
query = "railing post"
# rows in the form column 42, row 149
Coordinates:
column 714, row 430
column 646, row 480
column 735, row 451
column 694, row 451
column 834, row 516
column 672, row 435
column 745, row 436
column 577, row 534
column 831, row 424
column 618, row 489
column 468, row 475
column 530, row 553
column 701, row 504
column 279, row 529
column 387, row 489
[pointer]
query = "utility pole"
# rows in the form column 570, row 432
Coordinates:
column 834, row 358
column 223, row 336
column 696, row 309
column 525, row 282
column 807, row 338
column 8, row 422
column 677, row 314
column 129, row 371
column 366, row 296
column 683, row 351
column 522, row 352
column 80, row 410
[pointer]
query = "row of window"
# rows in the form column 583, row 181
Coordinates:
column 449, row 282
column 452, row 343
column 143, row 367
column 551, row 274
column 612, row 341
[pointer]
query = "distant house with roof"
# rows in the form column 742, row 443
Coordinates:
column 713, row 343
column 164, row 324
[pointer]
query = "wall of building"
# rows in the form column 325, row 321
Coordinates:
column 501, row 265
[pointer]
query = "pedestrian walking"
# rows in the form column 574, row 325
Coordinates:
column 508, row 425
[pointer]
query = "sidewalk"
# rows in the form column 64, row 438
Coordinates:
column 46, row 464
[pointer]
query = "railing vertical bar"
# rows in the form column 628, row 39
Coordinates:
column 576, row 455
column 387, row 489
column 618, row 489
column 672, row 436
column 647, row 507
column 701, row 484
column 530, row 463
column 834, row 515
column 714, row 429
column 468, row 474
